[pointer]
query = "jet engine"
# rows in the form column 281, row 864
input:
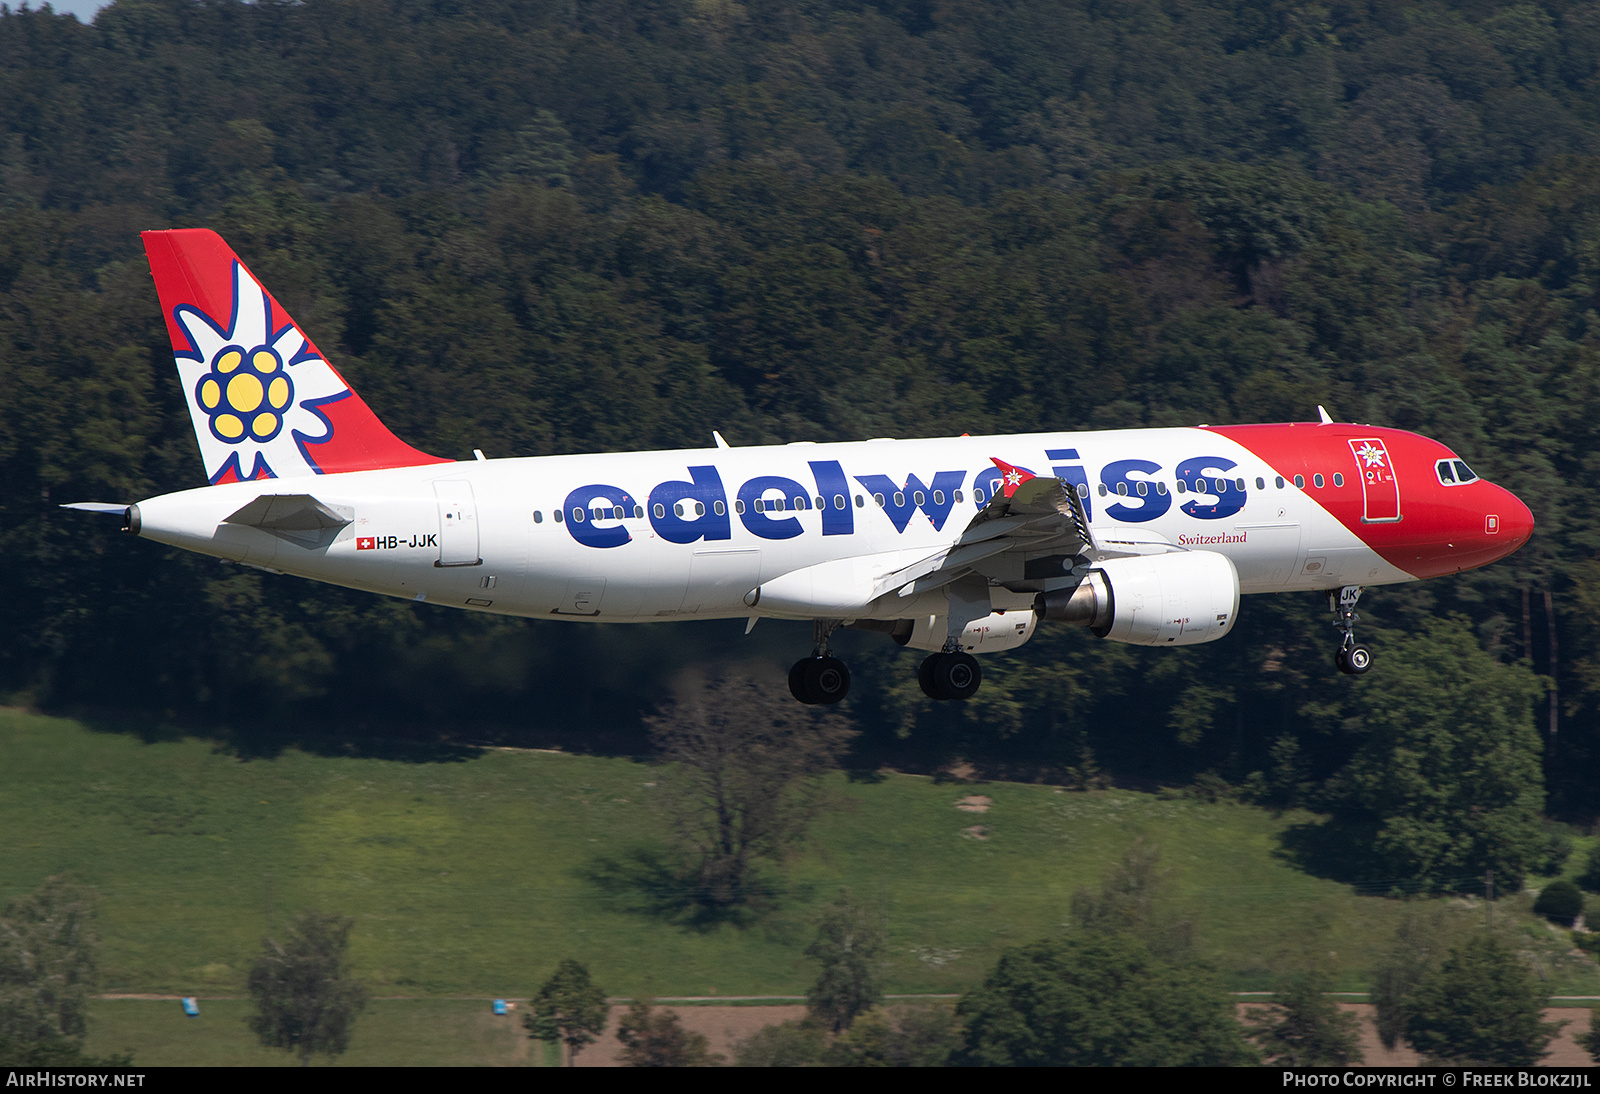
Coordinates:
column 1177, row 599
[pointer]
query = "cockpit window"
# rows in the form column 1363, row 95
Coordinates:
column 1454, row 473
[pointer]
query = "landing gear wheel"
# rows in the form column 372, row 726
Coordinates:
column 815, row 680
column 829, row 679
column 1353, row 660
column 958, row 675
column 797, row 682
column 950, row 676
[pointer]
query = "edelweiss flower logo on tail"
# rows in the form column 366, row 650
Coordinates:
column 255, row 393
column 265, row 404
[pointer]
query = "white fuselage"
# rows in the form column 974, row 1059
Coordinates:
column 692, row 542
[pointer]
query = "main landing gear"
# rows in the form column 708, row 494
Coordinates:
column 950, row 674
column 1352, row 658
column 820, row 678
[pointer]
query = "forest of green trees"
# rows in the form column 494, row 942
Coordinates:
column 578, row 225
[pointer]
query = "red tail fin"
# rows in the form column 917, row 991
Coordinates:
column 264, row 401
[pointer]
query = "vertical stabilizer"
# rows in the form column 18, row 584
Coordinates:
column 264, row 401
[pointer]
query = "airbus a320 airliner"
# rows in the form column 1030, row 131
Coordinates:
column 956, row 546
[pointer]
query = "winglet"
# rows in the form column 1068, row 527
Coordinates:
column 1323, row 414
column 716, row 436
column 1011, row 477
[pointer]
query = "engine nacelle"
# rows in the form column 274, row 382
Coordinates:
column 998, row 631
column 1179, row 599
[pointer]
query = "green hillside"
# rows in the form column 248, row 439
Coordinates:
column 474, row 877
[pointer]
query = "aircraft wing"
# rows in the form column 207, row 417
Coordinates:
column 1028, row 515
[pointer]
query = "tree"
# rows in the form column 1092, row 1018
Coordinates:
column 652, row 1038
column 1304, row 1027
column 901, row 1037
column 1561, row 902
column 1482, row 1005
column 49, row 949
column 305, row 1002
column 1099, row 1000
column 569, row 1008
column 850, row 945
column 1131, row 899
column 1446, row 782
column 783, row 1044
column 741, row 785
column 1416, row 949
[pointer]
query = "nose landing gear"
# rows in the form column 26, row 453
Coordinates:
column 1352, row 658
column 820, row 678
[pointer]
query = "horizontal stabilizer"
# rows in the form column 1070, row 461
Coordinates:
column 299, row 518
column 97, row 507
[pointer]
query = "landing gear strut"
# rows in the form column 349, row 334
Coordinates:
column 820, row 678
column 1352, row 658
column 950, row 674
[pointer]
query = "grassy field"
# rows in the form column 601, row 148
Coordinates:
column 389, row 1032
column 475, row 877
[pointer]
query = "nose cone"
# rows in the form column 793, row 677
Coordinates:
column 1462, row 528
column 1514, row 520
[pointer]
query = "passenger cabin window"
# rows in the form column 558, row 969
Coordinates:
column 738, row 507
column 1299, row 482
column 861, row 502
column 557, row 514
column 1122, row 489
column 1161, row 488
column 1261, row 484
column 538, row 517
column 1279, row 480
column 1317, row 478
column 1338, row 479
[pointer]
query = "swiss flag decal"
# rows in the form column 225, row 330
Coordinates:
column 366, row 543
